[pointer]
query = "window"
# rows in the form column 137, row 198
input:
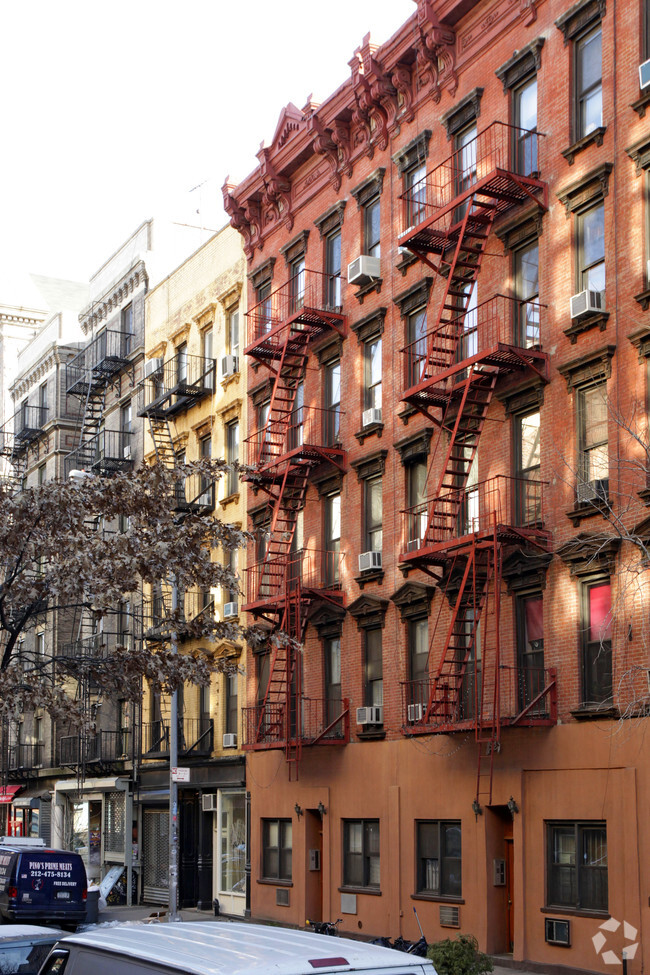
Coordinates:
column 333, row 678
column 207, row 352
column 372, row 514
column 205, row 453
column 415, row 188
column 232, row 456
column 372, row 370
column 231, row 703
column 40, row 646
column 526, row 275
column 297, row 284
column 438, row 852
column 276, row 849
column 41, row 474
column 525, row 119
column 596, row 625
column 332, row 538
column 127, row 329
column 332, row 403
column 371, row 228
column 416, row 330
column 181, row 364
column 469, row 656
column 295, row 432
column 333, row 269
column 589, row 83
column 232, row 337
column 231, row 558
column 593, row 460
column 418, row 652
column 361, row 853
column 416, row 488
column 527, row 468
column 468, row 346
column 126, row 428
column 42, row 404
column 465, row 164
column 264, row 323
column 591, row 249
column 374, row 668
column 530, row 646
column 577, row 866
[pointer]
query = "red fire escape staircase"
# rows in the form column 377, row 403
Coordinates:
column 451, row 375
column 283, row 587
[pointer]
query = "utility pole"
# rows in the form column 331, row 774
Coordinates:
column 173, row 785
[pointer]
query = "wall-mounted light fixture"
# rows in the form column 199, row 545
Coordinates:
column 476, row 808
column 298, row 810
column 513, row 807
column 321, row 809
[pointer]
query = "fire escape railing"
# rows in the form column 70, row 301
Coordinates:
column 321, row 721
column 107, row 452
column 293, row 432
column 195, row 737
column 181, row 381
column 307, row 297
column 270, row 580
column 106, row 355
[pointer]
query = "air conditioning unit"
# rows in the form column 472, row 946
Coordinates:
column 368, row 417
column 591, row 490
column 370, row 715
column 152, row 367
column 229, row 365
column 557, row 932
column 230, row 741
column 230, row 609
column 209, row 802
column 644, row 74
column 369, row 561
column 363, row 270
column 586, row 303
column 414, row 712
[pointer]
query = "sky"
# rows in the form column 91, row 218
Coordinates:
column 115, row 112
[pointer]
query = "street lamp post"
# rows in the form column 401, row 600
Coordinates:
column 173, row 785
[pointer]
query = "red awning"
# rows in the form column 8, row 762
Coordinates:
column 7, row 792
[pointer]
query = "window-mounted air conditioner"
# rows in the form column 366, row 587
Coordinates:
column 152, row 367
column 586, row 303
column 557, row 932
column 209, row 802
column 229, row 365
column 414, row 712
column 230, row 741
column 230, row 609
column 363, row 270
column 369, row 561
column 591, row 490
column 644, row 74
column 368, row 417
column 370, row 715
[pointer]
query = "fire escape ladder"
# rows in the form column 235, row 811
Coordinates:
column 289, row 502
column 163, row 442
column 488, row 723
column 94, row 405
column 291, row 370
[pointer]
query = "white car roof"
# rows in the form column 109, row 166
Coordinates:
column 233, row 948
column 15, row 932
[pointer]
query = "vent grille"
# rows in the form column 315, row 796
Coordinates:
column 282, row 896
column 449, row 916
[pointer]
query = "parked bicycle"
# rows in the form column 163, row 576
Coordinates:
column 418, row 947
column 325, row 927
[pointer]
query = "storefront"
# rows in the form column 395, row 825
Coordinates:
column 95, row 820
column 31, row 814
column 7, row 793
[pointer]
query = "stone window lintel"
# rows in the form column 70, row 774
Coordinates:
column 371, row 187
column 296, row 248
column 522, row 63
column 595, row 367
column 263, row 273
column 414, row 297
column 581, row 15
column 371, row 326
column 465, row 111
column 416, row 151
column 373, row 465
column 586, row 191
column 593, row 138
column 331, row 220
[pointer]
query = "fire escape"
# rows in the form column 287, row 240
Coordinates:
column 287, row 581
column 24, row 428
column 459, row 533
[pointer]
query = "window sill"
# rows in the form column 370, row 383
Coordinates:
column 267, row 881
column 405, row 262
column 599, row 506
column 372, row 891
column 230, row 499
column 234, row 377
column 377, row 735
column 641, row 104
column 438, row 898
column 367, row 289
column 375, row 576
column 585, row 323
column 574, row 911
column 643, row 298
column 594, row 137
column 593, row 712
column 369, row 431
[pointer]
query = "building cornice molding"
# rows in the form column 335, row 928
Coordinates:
column 100, row 310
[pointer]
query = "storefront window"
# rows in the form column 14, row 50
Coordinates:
column 233, row 842
column 86, row 835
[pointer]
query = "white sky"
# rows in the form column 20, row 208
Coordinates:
column 114, row 111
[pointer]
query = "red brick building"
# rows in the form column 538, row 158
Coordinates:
column 448, row 341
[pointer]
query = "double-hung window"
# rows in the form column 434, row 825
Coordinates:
column 332, row 527
column 361, row 853
column 333, row 269
column 332, row 657
column 416, row 487
column 232, row 338
column 372, row 228
column 530, row 647
column 596, row 626
column 126, row 429
column 277, row 845
column 591, row 249
column 525, row 119
column 576, row 865
column 593, row 447
column 526, row 275
column 332, row 403
column 127, row 329
column 232, row 709
column 416, row 345
column 374, row 667
column 415, row 189
column 438, row 853
column 373, row 375
column 297, row 284
column 527, row 468
column 232, row 456
column 589, row 82
column 373, row 514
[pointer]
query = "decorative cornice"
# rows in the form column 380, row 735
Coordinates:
column 371, row 326
column 332, row 219
column 595, row 367
column 523, row 63
column 54, row 357
column 416, row 151
column 231, row 295
column 415, row 446
column 463, row 112
column 590, row 552
column 295, row 248
column 586, row 190
column 368, row 611
column 522, row 228
column 206, row 312
column 369, row 188
column 371, row 465
column 414, row 297
column 580, row 16
column 120, row 294
column 525, row 570
column 263, row 273
column 413, row 599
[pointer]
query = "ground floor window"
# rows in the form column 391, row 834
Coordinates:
column 438, row 851
column 233, row 842
column 277, row 843
column 577, row 865
column 361, row 853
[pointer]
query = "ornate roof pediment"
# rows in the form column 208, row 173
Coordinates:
column 290, row 123
column 413, row 599
column 368, row 611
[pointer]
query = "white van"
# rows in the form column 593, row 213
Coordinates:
column 222, row 948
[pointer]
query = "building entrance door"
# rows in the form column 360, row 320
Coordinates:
column 510, row 897
column 314, row 865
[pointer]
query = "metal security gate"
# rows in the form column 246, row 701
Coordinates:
column 155, row 856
